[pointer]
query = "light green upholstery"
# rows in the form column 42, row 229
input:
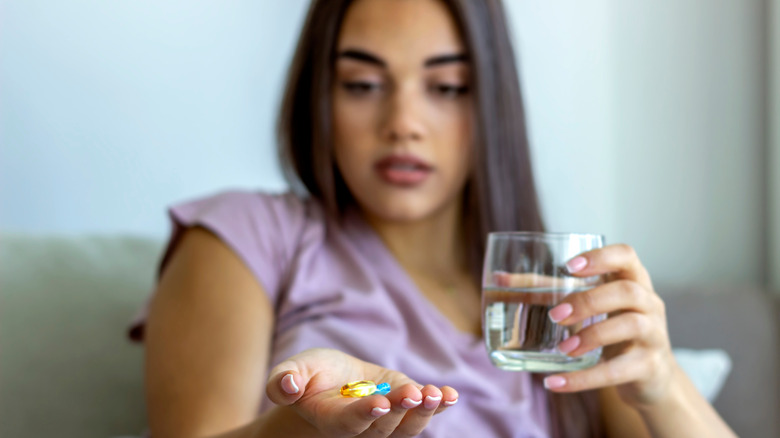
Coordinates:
column 66, row 369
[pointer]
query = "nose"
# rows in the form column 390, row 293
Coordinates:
column 403, row 117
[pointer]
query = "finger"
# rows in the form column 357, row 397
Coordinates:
column 629, row 326
column 531, row 281
column 402, row 399
column 286, row 386
column 449, row 397
column 621, row 295
column 335, row 415
column 619, row 260
column 355, row 417
column 525, row 280
column 417, row 418
column 292, row 378
column 342, row 416
column 628, row 367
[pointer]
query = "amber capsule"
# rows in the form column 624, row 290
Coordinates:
column 360, row 388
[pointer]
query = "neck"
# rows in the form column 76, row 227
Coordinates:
column 433, row 246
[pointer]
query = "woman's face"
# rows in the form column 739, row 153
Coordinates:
column 402, row 108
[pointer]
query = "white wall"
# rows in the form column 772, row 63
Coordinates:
column 645, row 117
column 566, row 71
column 113, row 109
column 690, row 136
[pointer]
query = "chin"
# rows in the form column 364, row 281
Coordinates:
column 403, row 207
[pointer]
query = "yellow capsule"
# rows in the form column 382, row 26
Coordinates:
column 360, row 388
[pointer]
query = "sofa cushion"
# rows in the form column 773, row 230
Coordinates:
column 707, row 369
column 67, row 368
column 743, row 321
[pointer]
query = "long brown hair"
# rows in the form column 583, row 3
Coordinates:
column 499, row 196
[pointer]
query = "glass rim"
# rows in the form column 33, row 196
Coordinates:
column 544, row 234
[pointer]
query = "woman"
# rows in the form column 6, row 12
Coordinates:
column 403, row 124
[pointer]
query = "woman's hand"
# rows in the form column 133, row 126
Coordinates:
column 637, row 355
column 310, row 383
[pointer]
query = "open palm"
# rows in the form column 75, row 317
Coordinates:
column 310, row 383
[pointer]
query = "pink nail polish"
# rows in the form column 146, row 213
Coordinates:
column 553, row 382
column 501, row 278
column 561, row 312
column 288, row 384
column 378, row 412
column 431, row 402
column 576, row 264
column 569, row 345
column 409, row 403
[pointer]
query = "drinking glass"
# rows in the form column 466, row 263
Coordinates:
column 525, row 276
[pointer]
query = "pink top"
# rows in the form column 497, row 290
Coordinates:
column 335, row 284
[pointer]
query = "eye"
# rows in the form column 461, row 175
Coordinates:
column 361, row 88
column 449, row 90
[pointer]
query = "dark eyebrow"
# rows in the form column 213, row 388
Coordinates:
column 364, row 56
column 446, row 59
column 361, row 55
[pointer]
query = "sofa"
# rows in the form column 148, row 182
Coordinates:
column 67, row 370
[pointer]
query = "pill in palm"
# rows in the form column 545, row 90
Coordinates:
column 382, row 388
column 362, row 388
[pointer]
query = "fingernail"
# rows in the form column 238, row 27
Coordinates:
column 576, row 264
column 378, row 412
column 288, row 384
column 409, row 403
column 560, row 312
column 501, row 278
column 431, row 402
column 450, row 403
column 553, row 382
column 569, row 345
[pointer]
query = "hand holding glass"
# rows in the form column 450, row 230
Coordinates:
column 525, row 276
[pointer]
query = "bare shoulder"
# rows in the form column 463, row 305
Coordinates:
column 203, row 272
column 207, row 339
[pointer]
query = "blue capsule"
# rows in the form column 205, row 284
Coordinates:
column 382, row 389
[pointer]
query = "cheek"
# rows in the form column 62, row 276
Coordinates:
column 458, row 143
column 352, row 136
column 351, row 119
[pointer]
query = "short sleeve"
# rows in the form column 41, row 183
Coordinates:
column 262, row 229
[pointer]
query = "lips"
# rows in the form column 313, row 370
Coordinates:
column 403, row 170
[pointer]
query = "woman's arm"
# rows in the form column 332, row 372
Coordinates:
column 207, row 342
column 208, row 336
column 683, row 413
column 620, row 419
